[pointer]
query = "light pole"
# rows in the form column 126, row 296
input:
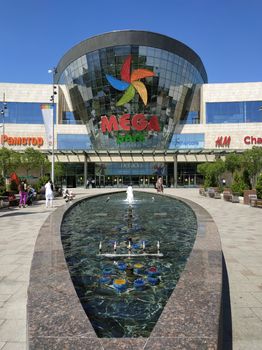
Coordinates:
column 3, row 114
column 52, row 99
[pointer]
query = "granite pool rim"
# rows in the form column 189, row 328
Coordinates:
column 190, row 319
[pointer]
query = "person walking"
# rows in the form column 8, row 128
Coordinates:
column 49, row 194
column 159, row 185
column 23, row 193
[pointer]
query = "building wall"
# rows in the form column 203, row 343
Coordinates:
column 209, row 93
column 230, row 92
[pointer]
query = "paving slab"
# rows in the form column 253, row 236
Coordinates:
column 241, row 237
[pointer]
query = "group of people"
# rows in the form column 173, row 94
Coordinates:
column 68, row 195
column 90, row 182
column 26, row 194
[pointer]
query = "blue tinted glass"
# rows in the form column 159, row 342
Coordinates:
column 253, row 112
column 134, row 168
column 69, row 118
column 25, row 113
column 191, row 117
column 93, row 96
column 73, row 141
column 233, row 112
column 187, row 141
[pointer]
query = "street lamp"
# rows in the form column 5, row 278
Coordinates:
column 3, row 114
column 52, row 100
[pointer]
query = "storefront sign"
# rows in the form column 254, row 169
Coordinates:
column 126, row 123
column 130, row 168
column 130, row 82
column 223, row 141
column 22, row 141
column 136, row 137
column 187, row 141
column 252, row 140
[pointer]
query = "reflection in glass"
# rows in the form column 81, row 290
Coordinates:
column 233, row 112
column 170, row 93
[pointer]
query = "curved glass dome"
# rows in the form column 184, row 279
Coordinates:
column 130, row 88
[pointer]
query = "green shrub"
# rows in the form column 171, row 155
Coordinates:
column 246, row 179
column 13, row 186
column 40, row 183
column 238, row 186
column 259, row 187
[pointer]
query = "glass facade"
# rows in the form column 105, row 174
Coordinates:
column 25, row 113
column 73, row 142
column 187, row 141
column 234, row 112
column 170, row 92
column 145, row 168
column 191, row 117
column 69, row 118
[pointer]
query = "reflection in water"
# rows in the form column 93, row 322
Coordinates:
column 124, row 296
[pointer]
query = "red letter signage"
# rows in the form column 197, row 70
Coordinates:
column 108, row 125
column 223, row 141
column 124, row 122
column 139, row 122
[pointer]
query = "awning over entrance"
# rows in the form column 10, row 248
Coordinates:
column 201, row 155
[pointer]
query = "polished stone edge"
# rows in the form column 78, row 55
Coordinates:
column 190, row 319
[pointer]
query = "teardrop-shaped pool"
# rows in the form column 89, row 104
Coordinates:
column 125, row 259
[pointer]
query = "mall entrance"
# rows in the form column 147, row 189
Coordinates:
column 119, row 175
column 125, row 180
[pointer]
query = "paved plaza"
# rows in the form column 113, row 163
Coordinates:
column 241, row 236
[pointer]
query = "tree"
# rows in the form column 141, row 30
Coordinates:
column 32, row 159
column 252, row 160
column 238, row 186
column 233, row 162
column 59, row 169
column 9, row 161
column 259, row 186
column 212, row 172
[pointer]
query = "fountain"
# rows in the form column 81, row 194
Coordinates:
column 129, row 194
column 121, row 275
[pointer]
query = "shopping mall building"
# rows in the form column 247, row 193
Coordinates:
column 130, row 106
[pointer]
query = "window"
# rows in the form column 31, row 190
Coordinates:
column 187, row 141
column 191, row 117
column 25, row 113
column 233, row 112
column 73, row 141
column 69, row 118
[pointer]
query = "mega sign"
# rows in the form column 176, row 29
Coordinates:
column 22, row 141
column 130, row 83
column 137, row 123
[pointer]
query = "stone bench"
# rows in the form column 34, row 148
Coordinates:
column 256, row 203
column 202, row 192
column 227, row 196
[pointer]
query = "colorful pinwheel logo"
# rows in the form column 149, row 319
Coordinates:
column 130, row 83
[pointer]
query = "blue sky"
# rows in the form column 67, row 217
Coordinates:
column 226, row 34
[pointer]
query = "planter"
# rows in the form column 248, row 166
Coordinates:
column 241, row 199
column 235, row 198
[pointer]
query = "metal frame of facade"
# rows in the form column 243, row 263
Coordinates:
column 130, row 37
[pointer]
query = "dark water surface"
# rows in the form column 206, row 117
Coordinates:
column 133, row 312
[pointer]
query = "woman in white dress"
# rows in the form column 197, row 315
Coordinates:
column 49, row 194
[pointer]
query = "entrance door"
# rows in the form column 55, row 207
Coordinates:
column 71, row 181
